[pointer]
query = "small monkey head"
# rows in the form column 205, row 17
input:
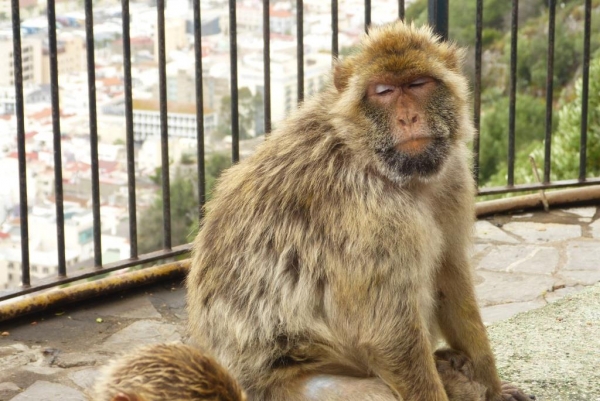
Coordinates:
column 404, row 88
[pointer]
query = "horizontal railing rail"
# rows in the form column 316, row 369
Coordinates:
column 438, row 18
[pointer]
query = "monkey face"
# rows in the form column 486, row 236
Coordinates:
column 413, row 124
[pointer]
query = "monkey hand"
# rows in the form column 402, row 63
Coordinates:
column 449, row 359
column 510, row 392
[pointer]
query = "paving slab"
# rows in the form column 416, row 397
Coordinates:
column 139, row 333
column 595, row 228
column 575, row 277
column 583, row 255
column 74, row 360
column 495, row 313
column 539, row 233
column 502, row 288
column 85, row 378
column 521, row 258
column 47, row 391
column 42, row 370
column 587, row 211
column 137, row 307
column 8, row 386
column 486, row 231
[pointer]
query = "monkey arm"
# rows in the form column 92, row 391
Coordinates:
column 460, row 321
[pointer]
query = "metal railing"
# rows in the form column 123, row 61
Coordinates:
column 438, row 17
column 546, row 183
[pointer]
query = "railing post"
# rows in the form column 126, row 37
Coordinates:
column 437, row 16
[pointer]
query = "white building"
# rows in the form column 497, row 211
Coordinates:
column 181, row 120
column 43, row 254
column 31, row 59
column 284, row 74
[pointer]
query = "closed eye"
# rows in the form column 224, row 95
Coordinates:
column 382, row 89
column 419, row 82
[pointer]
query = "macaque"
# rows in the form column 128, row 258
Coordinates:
column 331, row 262
column 166, row 372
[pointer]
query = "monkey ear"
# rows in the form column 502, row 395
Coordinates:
column 126, row 397
column 341, row 74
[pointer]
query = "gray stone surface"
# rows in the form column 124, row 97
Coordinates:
column 492, row 314
column 499, row 288
column 521, row 258
column 74, row 360
column 588, row 211
column 42, row 370
column 580, row 277
column 561, row 292
column 595, row 228
column 138, row 307
column 47, row 391
column 523, row 263
column 539, row 233
column 486, row 231
column 84, row 378
column 140, row 333
column 583, row 255
column 553, row 352
column 8, row 386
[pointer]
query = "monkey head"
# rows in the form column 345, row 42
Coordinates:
column 404, row 91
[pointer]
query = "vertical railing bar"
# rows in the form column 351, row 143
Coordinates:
column 235, row 123
column 267, row 64
column 367, row 15
column 133, row 243
column 199, row 110
column 91, row 73
column 55, row 102
column 300, row 48
column 513, row 92
column 401, row 9
column 335, row 51
column 437, row 17
column 20, row 114
column 584, row 90
column 549, row 90
column 477, row 88
column 164, row 127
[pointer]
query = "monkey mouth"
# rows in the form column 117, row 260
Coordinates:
column 414, row 145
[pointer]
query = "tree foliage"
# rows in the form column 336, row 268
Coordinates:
column 184, row 205
column 250, row 111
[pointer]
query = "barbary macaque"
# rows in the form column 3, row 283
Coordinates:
column 166, row 372
column 331, row 261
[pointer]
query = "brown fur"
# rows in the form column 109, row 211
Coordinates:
column 317, row 257
column 161, row 372
column 457, row 374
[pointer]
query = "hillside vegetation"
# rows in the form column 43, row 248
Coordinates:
column 532, row 53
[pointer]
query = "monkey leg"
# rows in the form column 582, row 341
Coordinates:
column 454, row 368
column 321, row 387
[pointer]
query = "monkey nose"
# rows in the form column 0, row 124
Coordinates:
column 408, row 120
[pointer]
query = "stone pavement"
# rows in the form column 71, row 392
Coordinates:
column 522, row 262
